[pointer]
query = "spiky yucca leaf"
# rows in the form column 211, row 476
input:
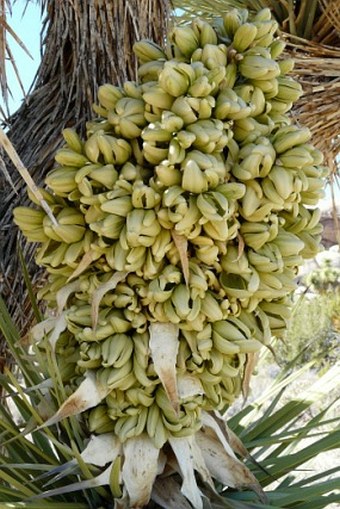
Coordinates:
column 49, row 458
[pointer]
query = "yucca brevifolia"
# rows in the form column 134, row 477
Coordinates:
column 173, row 238
column 85, row 44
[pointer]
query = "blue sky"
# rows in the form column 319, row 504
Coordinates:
column 28, row 27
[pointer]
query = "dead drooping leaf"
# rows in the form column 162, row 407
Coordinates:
column 100, row 450
column 184, row 456
column 251, row 361
column 189, row 386
column 241, row 246
column 166, row 492
column 232, row 439
column 211, row 422
column 199, row 463
column 225, row 468
column 53, row 326
column 164, row 349
column 40, row 330
column 64, row 293
column 235, row 443
column 89, row 394
column 12, row 154
column 99, row 293
column 140, row 469
column 84, row 263
column 181, row 244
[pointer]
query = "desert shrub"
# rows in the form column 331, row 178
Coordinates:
column 325, row 279
column 313, row 332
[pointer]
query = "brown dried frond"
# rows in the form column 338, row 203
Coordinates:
column 327, row 26
column 317, row 68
